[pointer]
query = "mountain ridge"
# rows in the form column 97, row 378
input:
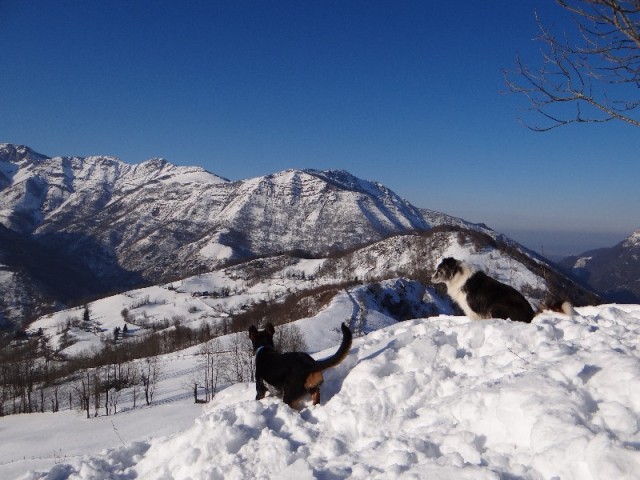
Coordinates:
column 134, row 225
column 614, row 271
column 262, row 215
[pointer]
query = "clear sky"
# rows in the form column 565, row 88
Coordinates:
column 408, row 93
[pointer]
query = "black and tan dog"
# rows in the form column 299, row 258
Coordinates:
column 293, row 373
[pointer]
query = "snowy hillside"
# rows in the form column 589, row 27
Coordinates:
column 390, row 277
column 444, row 398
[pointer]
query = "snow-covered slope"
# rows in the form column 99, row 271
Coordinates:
column 444, row 398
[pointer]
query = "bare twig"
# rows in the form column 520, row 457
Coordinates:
column 598, row 73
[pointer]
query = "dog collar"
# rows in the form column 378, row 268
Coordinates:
column 260, row 349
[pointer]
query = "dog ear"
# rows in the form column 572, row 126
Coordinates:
column 253, row 331
column 270, row 328
column 449, row 262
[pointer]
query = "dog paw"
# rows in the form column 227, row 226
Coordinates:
column 260, row 395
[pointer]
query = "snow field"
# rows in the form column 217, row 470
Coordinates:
column 444, row 398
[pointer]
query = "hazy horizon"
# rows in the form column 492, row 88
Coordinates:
column 560, row 244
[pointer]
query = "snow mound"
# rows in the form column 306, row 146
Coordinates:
column 444, row 398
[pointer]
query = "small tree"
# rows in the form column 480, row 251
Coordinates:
column 114, row 397
column 212, row 364
column 86, row 316
column 134, row 381
column 97, row 389
column 83, row 389
column 55, row 399
column 239, row 366
column 149, row 376
column 289, row 338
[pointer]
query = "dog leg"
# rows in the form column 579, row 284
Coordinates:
column 315, row 395
column 260, row 389
column 290, row 399
column 314, row 380
column 312, row 385
column 292, row 393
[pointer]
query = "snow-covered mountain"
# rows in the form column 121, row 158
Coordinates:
column 441, row 397
column 120, row 226
column 614, row 271
column 157, row 219
column 100, row 210
column 128, row 225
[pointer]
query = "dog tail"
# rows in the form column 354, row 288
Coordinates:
column 337, row 357
column 565, row 307
column 568, row 309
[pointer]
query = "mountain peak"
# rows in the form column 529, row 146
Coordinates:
column 12, row 153
column 632, row 240
column 156, row 162
column 346, row 180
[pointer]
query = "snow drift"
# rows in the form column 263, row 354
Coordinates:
column 444, row 398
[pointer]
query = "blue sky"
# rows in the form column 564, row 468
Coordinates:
column 407, row 93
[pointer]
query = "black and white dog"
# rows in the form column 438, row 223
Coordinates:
column 479, row 295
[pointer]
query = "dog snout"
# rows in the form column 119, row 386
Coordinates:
column 435, row 278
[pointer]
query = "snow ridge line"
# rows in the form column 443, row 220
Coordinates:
column 59, row 459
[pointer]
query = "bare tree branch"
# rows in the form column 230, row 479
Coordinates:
column 592, row 77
